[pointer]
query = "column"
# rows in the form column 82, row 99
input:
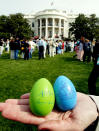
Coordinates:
column 53, row 33
column 46, row 31
column 40, row 28
column 37, row 26
column 64, row 29
column 59, row 28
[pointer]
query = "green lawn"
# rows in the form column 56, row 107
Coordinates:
column 18, row 76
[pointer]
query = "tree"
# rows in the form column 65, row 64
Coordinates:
column 79, row 27
column 15, row 25
column 85, row 26
column 97, row 32
column 97, row 29
column 4, row 33
column 19, row 26
column 93, row 25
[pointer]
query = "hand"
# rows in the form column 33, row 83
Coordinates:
column 77, row 119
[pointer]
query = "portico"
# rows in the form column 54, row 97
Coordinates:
column 51, row 23
column 50, row 27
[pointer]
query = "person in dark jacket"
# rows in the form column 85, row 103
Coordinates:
column 87, row 50
column 17, row 48
column 22, row 48
column 95, row 71
column 26, row 50
column 12, row 48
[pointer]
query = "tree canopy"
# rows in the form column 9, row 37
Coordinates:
column 85, row 26
column 14, row 25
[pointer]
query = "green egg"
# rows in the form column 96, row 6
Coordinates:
column 42, row 97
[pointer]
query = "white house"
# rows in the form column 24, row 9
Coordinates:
column 50, row 23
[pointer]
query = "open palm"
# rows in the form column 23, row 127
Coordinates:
column 75, row 120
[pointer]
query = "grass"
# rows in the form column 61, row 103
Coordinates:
column 18, row 76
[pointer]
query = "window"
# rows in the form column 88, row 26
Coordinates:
column 50, row 34
column 32, row 24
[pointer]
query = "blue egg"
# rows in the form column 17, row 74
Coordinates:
column 65, row 93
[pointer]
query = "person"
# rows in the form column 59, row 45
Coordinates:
column 69, row 45
column 1, row 47
column 80, row 52
column 45, row 45
column 22, row 48
column 72, row 45
column 26, row 50
column 87, row 51
column 12, row 48
column 95, row 71
column 32, row 47
column 7, row 45
column 76, row 48
column 62, row 47
column 51, row 48
column 92, row 48
column 56, row 47
column 41, row 48
column 16, row 48
column 78, row 119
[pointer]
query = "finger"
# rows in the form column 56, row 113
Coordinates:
column 22, row 114
column 54, row 125
column 18, row 101
column 2, row 106
column 10, row 106
column 25, row 96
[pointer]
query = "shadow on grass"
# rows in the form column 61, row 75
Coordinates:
column 69, row 59
column 5, row 56
column 35, row 56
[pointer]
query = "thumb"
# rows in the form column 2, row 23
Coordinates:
column 53, row 125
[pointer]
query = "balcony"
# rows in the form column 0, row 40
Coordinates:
column 56, row 24
column 50, row 36
column 62, row 25
column 50, row 24
column 43, row 24
column 56, row 36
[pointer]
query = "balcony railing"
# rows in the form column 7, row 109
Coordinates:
column 57, row 24
column 50, row 36
column 50, row 24
column 43, row 24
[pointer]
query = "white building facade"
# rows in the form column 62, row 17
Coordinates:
column 50, row 23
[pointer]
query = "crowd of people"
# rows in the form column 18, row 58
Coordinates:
column 25, row 48
column 84, row 49
column 15, row 46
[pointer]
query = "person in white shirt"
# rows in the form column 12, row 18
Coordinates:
column 32, row 47
column 41, row 48
column 1, row 46
column 72, row 45
column 7, row 45
column 51, row 48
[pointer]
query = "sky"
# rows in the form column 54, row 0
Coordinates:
column 28, row 6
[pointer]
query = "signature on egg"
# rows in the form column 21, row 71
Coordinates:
column 45, row 97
